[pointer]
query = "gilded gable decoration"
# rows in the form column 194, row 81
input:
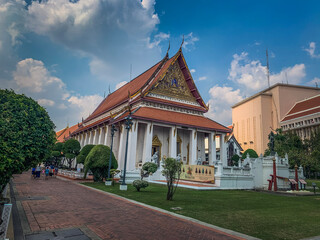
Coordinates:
column 173, row 84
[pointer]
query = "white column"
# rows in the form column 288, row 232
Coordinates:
column 212, row 148
column 89, row 134
column 86, row 142
column 101, row 135
column 107, row 136
column 223, row 150
column 122, row 147
column 95, row 137
column 173, row 142
column 91, row 137
column 193, row 147
column 132, row 146
column 147, row 146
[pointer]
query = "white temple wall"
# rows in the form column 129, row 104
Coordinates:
column 140, row 144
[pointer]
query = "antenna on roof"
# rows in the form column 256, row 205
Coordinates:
column 167, row 54
column 268, row 73
column 286, row 77
column 130, row 72
column 316, row 84
column 109, row 89
column 104, row 94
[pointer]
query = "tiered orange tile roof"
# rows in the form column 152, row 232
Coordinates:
column 65, row 133
column 176, row 118
column 304, row 108
column 143, row 83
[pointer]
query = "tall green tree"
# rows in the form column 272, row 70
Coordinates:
column 171, row 171
column 84, row 153
column 26, row 134
column 57, row 153
column 291, row 144
column 312, row 165
column 71, row 149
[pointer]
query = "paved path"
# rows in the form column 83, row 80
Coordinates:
column 58, row 204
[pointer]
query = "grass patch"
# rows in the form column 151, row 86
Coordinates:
column 257, row 214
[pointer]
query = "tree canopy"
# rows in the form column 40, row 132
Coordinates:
column 301, row 152
column 252, row 153
column 71, row 149
column 98, row 162
column 84, row 153
column 27, row 134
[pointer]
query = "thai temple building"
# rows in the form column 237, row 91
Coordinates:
column 168, row 119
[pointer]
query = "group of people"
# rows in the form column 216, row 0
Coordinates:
column 48, row 171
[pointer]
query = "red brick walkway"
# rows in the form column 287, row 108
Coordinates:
column 69, row 205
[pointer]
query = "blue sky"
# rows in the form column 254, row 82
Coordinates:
column 67, row 54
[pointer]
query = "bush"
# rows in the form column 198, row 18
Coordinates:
column 252, row 153
column 84, row 153
column 98, row 162
column 148, row 168
column 138, row 184
column 71, row 149
column 235, row 159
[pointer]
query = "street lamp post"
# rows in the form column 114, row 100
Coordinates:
column 128, row 123
column 113, row 130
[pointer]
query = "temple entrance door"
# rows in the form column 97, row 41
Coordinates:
column 156, row 147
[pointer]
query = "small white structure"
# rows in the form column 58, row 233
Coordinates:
column 254, row 173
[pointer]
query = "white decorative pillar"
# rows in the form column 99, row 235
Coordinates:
column 107, row 136
column 101, row 135
column 87, row 138
column 89, row 134
column 173, row 142
column 132, row 146
column 223, row 150
column 122, row 147
column 147, row 145
column 212, row 148
column 193, row 147
column 96, row 137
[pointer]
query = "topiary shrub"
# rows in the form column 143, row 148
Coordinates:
column 84, row 153
column 148, row 168
column 252, row 154
column 138, row 184
column 98, row 162
column 235, row 160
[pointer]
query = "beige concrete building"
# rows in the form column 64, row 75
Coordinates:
column 254, row 117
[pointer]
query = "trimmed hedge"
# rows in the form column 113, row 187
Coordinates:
column 84, row 153
column 98, row 162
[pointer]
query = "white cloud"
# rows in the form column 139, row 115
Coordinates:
column 157, row 40
column 202, row 78
column 32, row 78
column 192, row 70
column 120, row 84
column 32, row 75
column 251, row 75
column 294, row 75
column 221, row 100
column 45, row 102
column 314, row 82
column 112, row 34
column 189, row 41
column 85, row 104
column 311, row 50
column 14, row 33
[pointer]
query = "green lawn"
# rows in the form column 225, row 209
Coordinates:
column 257, row 214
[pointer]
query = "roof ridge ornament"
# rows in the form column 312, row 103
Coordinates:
column 167, row 54
column 181, row 43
